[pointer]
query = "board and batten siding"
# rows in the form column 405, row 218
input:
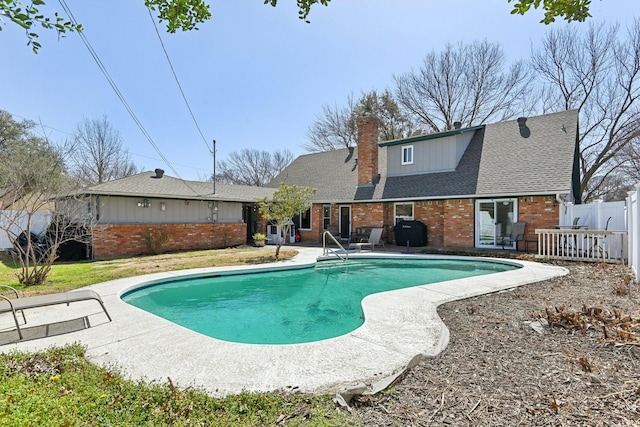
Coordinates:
column 433, row 155
column 125, row 210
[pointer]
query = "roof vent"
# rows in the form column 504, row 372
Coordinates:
column 457, row 125
column 159, row 173
column 525, row 132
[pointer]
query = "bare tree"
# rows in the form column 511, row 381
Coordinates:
column 598, row 74
column 336, row 127
column 33, row 172
column 252, row 167
column 631, row 160
column 466, row 83
column 96, row 154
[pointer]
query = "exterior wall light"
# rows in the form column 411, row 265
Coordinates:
column 145, row 203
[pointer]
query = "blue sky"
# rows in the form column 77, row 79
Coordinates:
column 254, row 76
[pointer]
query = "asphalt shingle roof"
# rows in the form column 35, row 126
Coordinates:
column 333, row 173
column 145, row 184
column 537, row 160
column 501, row 159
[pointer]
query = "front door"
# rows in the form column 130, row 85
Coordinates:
column 345, row 221
column 493, row 221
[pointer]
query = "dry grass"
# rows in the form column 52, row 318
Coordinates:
column 72, row 275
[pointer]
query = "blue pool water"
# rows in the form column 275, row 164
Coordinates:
column 293, row 306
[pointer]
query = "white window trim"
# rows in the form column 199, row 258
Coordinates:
column 310, row 220
column 405, row 218
column 324, row 217
column 404, row 150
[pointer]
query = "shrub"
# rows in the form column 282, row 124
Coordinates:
column 259, row 236
column 156, row 240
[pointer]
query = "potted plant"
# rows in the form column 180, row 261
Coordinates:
column 259, row 239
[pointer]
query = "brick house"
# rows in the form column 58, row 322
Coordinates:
column 128, row 210
column 467, row 185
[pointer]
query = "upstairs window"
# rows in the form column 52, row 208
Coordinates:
column 407, row 155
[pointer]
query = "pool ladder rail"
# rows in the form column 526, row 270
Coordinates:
column 326, row 249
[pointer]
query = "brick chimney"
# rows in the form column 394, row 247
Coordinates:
column 367, row 150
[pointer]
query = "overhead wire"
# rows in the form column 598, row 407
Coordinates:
column 40, row 124
column 113, row 85
column 120, row 96
column 175, row 76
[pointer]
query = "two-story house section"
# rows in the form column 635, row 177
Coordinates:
column 467, row 185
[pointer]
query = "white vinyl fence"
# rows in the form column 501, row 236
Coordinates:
column 588, row 232
column 39, row 223
column 594, row 216
column 599, row 215
column 633, row 221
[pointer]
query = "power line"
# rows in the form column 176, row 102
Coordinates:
column 113, row 85
column 175, row 76
column 39, row 122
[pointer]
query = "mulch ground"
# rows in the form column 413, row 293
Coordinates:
column 564, row 352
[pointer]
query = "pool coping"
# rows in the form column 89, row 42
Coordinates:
column 401, row 327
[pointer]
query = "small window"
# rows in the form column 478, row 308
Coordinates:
column 404, row 212
column 326, row 216
column 303, row 220
column 407, row 155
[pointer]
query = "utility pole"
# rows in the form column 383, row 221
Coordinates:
column 214, row 166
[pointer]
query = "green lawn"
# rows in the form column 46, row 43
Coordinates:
column 59, row 387
column 72, row 275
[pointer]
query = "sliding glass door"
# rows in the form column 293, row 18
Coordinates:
column 494, row 218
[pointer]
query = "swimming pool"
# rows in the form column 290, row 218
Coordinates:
column 288, row 306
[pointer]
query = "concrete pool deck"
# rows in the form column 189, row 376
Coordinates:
column 399, row 326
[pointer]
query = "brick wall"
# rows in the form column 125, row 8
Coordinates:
column 432, row 214
column 537, row 212
column 371, row 215
column 459, row 223
column 315, row 234
column 121, row 240
column 450, row 223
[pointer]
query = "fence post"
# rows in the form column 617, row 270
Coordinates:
column 633, row 229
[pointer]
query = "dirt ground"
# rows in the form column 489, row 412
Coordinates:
column 581, row 367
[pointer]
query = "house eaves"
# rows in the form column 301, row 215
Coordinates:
column 429, row 136
column 167, row 187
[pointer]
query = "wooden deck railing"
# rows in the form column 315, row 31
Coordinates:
column 581, row 245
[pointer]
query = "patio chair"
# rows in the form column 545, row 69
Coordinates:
column 516, row 235
column 598, row 246
column 373, row 240
column 361, row 234
column 14, row 304
column 567, row 247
